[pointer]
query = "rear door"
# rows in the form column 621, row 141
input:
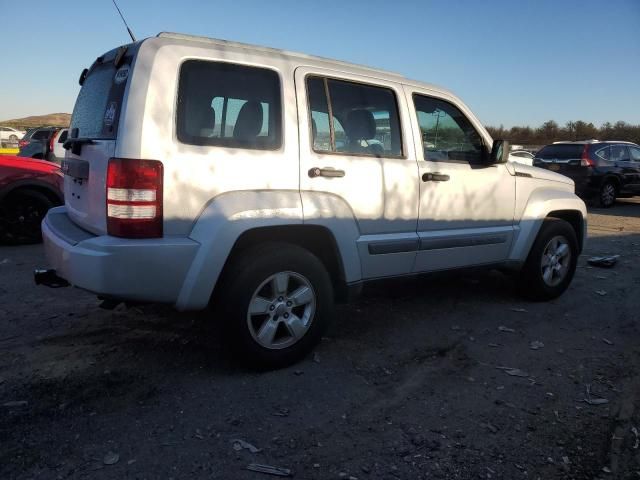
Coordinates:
column 355, row 147
column 620, row 156
column 93, row 133
column 635, row 165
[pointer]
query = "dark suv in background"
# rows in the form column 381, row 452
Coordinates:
column 602, row 171
column 36, row 143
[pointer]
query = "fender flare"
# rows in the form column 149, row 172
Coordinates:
column 541, row 203
column 226, row 217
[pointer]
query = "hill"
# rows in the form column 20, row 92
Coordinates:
column 51, row 119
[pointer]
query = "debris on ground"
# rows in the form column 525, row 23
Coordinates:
column 241, row 444
column 4, row 261
column 536, row 345
column 519, row 310
column 111, row 458
column 269, row 470
column 282, row 412
column 604, row 262
column 607, row 341
column 316, row 357
column 502, row 328
column 634, row 430
column 15, row 403
column 594, row 401
column 602, row 293
column 490, row 427
column 514, row 372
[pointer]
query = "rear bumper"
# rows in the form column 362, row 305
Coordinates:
column 149, row 270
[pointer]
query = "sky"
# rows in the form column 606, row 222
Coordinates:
column 514, row 63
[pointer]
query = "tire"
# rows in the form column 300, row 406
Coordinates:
column 607, row 194
column 13, row 139
column 278, row 332
column 535, row 281
column 21, row 214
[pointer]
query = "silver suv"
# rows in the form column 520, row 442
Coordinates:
column 269, row 184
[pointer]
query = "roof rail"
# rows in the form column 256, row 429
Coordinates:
column 258, row 48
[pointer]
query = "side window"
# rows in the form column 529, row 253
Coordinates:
column 354, row 119
column 635, row 154
column 63, row 136
column 229, row 105
column 447, row 135
column 603, row 153
column 619, row 153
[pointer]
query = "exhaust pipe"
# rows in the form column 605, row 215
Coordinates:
column 49, row 278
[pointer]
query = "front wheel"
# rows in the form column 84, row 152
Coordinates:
column 551, row 263
column 275, row 300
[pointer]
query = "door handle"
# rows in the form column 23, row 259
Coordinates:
column 435, row 177
column 325, row 172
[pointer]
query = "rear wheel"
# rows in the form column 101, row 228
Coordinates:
column 21, row 214
column 275, row 302
column 551, row 263
column 608, row 193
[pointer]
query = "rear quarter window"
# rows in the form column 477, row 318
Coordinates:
column 228, row 105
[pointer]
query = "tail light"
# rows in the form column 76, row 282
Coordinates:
column 134, row 198
column 52, row 139
column 585, row 160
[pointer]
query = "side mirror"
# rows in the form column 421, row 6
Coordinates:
column 499, row 152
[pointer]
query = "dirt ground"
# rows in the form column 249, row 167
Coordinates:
column 409, row 383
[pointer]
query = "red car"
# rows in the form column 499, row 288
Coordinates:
column 28, row 188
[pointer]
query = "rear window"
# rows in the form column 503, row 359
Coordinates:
column 561, row 151
column 41, row 134
column 97, row 108
column 229, row 105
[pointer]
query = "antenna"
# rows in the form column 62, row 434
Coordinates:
column 124, row 21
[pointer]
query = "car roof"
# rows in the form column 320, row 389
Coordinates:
column 585, row 142
column 303, row 58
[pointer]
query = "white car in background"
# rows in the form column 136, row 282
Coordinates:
column 56, row 148
column 521, row 156
column 10, row 136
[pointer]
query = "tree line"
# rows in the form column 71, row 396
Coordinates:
column 550, row 132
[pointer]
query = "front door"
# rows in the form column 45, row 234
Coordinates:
column 357, row 162
column 466, row 206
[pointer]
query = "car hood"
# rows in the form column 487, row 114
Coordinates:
column 541, row 174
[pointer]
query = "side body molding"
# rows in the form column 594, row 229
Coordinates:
column 541, row 202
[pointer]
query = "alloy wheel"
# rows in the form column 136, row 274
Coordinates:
column 281, row 310
column 556, row 260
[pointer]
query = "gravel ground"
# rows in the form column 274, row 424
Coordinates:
column 410, row 382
